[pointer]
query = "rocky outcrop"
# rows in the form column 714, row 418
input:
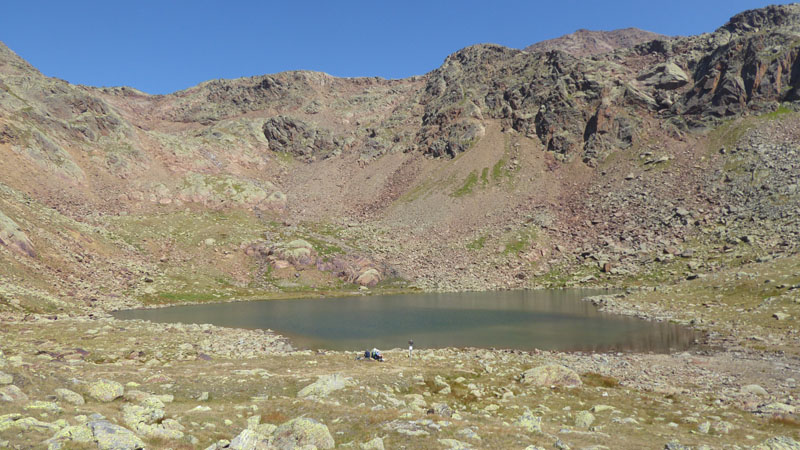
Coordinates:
column 305, row 140
column 215, row 191
column 300, row 254
column 664, row 76
column 12, row 236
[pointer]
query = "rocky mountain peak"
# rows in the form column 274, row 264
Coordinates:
column 585, row 42
column 11, row 63
column 772, row 16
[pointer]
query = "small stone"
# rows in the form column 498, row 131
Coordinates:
column 105, row 390
column 11, row 394
column 722, row 427
column 528, row 422
column 442, row 409
column 375, row 444
column 453, row 444
column 601, row 408
column 468, row 433
column 561, row 445
column 584, row 419
column 441, row 385
column 39, row 405
column 704, row 427
column 675, row 445
column 67, row 396
column 6, row 378
column 781, row 316
column 777, row 408
column 754, row 389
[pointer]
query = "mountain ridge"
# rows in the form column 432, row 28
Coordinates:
column 585, row 42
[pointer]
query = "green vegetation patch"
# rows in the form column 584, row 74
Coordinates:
column 520, row 241
column 499, row 170
column 469, row 184
column 778, row 113
column 485, row 176
column 477, row 244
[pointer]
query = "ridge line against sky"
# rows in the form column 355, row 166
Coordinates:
column 161, row 47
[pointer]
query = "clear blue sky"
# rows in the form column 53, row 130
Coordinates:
column 167, row 45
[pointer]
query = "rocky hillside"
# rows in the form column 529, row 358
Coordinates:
column 643, row 162
column 587, row 42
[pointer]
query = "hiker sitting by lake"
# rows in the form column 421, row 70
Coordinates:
column 372, row 354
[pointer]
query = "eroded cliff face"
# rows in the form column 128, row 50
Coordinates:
column 501, row 168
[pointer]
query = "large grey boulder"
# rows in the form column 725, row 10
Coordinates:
column 249, row 440
column 551, row 375
column 326, row 384
column 302, row 432
column 105, row 390
column 114, row 437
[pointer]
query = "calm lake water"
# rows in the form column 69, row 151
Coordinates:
column 524, row 320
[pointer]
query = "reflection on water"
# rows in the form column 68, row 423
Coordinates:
column 547, row 320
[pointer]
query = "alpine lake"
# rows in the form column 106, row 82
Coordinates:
column 521, row 320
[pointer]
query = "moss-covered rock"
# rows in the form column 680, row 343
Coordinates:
column 73, row 398
column 105, row 390
column 326, row 384
column 551, row 375
column 80, row 434
column 528, row 422
column 301, row 432
column 584, row 419
column 114, row 437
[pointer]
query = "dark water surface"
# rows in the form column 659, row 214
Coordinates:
column 524, row 320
